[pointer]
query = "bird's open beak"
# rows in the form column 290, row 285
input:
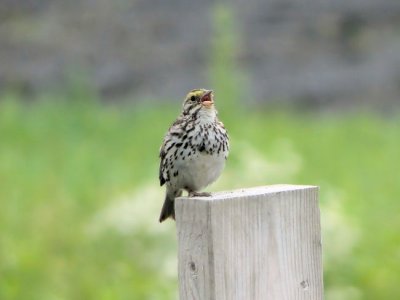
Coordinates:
column 207, row 99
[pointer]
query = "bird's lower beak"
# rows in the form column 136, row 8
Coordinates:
column 207, row 99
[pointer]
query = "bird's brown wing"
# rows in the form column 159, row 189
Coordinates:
column 166, row 149
column 162, row 155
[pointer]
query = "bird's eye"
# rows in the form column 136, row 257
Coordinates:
column 192, row 98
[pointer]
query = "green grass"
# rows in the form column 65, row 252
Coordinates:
column 79, row 196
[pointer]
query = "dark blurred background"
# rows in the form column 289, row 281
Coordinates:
column 313, row 53
column 308, row 90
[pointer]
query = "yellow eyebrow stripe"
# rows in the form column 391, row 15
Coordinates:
column 195, row 93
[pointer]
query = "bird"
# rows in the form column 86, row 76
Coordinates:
column 193, row 151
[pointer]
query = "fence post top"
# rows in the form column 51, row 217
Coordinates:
column 253, row 191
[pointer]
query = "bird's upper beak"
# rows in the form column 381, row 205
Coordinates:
column 207, row 99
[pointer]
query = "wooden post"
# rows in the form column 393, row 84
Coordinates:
column 260, row 243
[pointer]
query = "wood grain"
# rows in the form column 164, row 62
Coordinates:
column 258, row 243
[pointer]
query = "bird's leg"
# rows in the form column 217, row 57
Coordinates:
column 199, row 194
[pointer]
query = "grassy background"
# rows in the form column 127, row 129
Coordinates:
column 80, row 199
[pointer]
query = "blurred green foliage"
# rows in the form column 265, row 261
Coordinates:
column 59, row 163
column 63, row 165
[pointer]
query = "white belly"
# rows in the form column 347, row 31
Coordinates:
column 200, row 170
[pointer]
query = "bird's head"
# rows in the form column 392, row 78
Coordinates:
column 199, row 101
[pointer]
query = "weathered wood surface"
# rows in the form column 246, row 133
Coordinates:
column 253, row 244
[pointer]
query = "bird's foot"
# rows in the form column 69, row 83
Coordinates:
column 199, row 194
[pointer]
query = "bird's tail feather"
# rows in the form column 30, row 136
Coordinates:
column 168, row 209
